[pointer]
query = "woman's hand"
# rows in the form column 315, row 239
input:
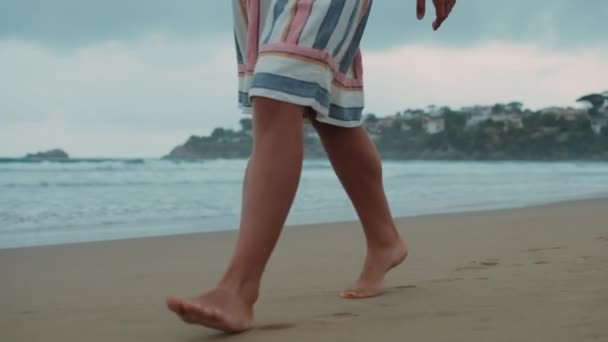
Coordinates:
column 442, row 10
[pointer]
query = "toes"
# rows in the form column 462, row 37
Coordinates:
column 351, row 294
column 176, row 305
column 348, row 294
column 360, row 293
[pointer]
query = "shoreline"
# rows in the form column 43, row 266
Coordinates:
column 139, row 160
column 309, row 224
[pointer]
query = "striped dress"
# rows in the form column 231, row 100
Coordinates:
column 304, row 52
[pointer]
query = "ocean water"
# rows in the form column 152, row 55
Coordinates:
column 44, row 203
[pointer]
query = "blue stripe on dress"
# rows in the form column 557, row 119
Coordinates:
column 351, row 21
column 244, row 99
column 239, row 54
column 345, row 114
column 291, row 86
column 328, row 26
column 279, row 8
column 347, row 61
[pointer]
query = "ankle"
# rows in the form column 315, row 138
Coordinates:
column 248, row 290
column 386, row 244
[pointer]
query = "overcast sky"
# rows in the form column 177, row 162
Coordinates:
column 134, row 78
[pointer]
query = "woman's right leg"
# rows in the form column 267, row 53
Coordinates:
column 270, row 184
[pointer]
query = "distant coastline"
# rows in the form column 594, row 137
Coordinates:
column 54, row 154
column 4, row 160
column 493, row 132
column 499, row 132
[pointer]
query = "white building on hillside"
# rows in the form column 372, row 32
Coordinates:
column 477, row 114
column 512, row 119
column 433, row 125
column 598, row 124
column 568, row 113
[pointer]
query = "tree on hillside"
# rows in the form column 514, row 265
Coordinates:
column 218, row 133
column 596, row 101
column 515, row 107
column 498, row 108
column 370, row 119
column 246, row 124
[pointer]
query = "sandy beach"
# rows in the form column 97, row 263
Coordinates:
column 532, row 274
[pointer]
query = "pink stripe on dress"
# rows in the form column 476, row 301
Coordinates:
column 303, row 12
column 253, row 34
column 317, row 55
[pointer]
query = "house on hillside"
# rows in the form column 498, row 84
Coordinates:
column 411, row 113
column 568, row 113
column 378, row 126
column 405, row 127
column 598, row 124
column 387, row 121
column 477, row 114
column 509, row 119
column 433, row 125
column 477, row 110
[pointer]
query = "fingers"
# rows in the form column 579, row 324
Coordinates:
column 442, row 11
column 420, row 8
column 451, row 5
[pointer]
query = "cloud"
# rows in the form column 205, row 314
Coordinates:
column 71, row 23
column 423, row 74
column 68, row 24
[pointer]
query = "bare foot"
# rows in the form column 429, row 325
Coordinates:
column 377, row 264
column 219, row 309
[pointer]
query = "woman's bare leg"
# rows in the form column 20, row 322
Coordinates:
column 270, row 185
column 358, row 166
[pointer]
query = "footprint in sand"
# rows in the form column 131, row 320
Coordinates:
column 489, row 262
column 479, row 265
column 344, row 315
column 541, row 262
column 447, row 314
column 583, row 259
column 323, row 320
column 28, row 312
column 445, row 280
column 398, row 289
column 275, row 326
column 403, row 287
column 336, row 317
column 534, row 250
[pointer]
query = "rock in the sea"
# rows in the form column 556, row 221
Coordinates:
column 182, row 152
column 55, row 154
column 227, row 145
